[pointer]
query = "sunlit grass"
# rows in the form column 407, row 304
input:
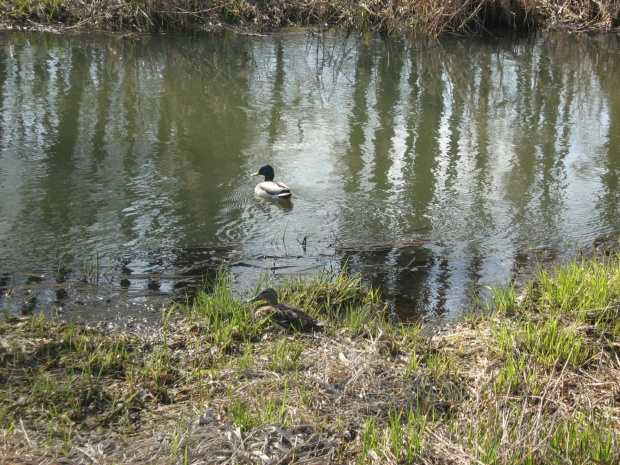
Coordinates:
column 286, row 355
column 329, row 292
column 531, row 381
column 563, row 328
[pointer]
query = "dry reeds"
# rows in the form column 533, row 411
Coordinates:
column 430, row 17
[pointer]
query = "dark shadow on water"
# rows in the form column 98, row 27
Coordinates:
column 416, row 279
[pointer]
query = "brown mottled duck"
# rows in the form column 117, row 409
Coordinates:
column 284, row 315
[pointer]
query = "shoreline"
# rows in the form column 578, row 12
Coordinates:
column 214, row 386
column 124, row 293
column 397, row 17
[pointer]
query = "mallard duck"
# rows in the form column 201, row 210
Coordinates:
column 270, row 189
column 284, row 315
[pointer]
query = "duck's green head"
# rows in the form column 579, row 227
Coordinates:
column 266, row 171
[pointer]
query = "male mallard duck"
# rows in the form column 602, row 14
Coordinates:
column 270, row 189
column 284, row 315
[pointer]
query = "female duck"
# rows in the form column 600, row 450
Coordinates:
column 270, row 189
column 284, row 315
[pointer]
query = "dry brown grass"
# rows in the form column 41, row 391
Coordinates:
column 429, row 17
column 319, row 410
column 535, row 383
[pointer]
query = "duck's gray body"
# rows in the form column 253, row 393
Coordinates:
column 270, row 189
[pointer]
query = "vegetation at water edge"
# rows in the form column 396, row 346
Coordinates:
column 530, row 379
column 429, row 17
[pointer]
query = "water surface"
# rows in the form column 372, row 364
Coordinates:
column 433, row 167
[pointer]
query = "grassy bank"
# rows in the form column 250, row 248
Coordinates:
column 430, row 17
column 537, row 382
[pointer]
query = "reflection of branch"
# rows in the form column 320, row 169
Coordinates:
column 330, row 244
column 387, row 245
column 303, row 241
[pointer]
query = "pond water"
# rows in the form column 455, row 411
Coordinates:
column 437, row 168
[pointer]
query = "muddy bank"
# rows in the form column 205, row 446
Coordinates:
column 133, row 292
column 425, row 17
